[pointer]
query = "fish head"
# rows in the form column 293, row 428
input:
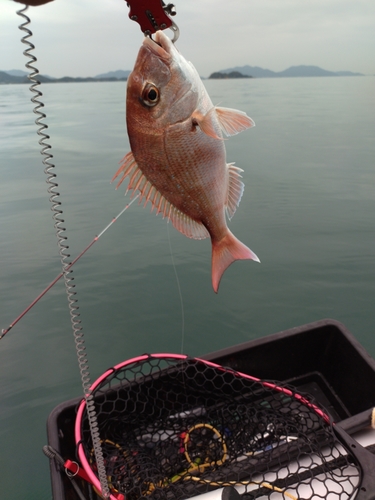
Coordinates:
column 163, row 87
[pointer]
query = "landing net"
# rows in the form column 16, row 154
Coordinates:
column 173, row 427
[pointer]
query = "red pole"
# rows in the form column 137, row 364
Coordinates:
column 4, row 331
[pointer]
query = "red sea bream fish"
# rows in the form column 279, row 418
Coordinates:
column 177, row 159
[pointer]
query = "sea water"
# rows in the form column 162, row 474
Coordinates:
column 308, row 212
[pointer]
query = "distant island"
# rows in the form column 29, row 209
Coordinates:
column 231, row 74
column 293, row 71
column 19, row 76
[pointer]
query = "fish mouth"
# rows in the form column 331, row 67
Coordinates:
column 161, row 45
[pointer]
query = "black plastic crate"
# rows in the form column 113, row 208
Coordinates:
column 321, row 358
column 324, row 351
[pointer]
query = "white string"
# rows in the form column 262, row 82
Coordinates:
column 179, row 292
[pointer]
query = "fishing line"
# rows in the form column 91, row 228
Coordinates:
column 4, row 331
column 179, row 292
column 63, row 247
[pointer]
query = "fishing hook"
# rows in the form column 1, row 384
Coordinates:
column 153, row 15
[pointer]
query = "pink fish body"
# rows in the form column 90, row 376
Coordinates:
column 178, row 159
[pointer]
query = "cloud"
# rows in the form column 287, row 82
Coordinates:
column 87, row 37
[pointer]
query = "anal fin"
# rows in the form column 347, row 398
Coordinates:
column 148, row 192
column 235, row 189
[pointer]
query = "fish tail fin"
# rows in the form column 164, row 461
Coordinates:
column 226, row 251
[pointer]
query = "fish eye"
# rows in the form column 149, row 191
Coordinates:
column 150, row 95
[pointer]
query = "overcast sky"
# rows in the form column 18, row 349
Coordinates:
column 88, row 37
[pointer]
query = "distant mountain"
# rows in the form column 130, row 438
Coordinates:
column 18, row 76
column 16, row 72
column 254, row 71
column 120, row 74
column 231, row 74
column 19, row 72
column 293, row 71
column 6, row 77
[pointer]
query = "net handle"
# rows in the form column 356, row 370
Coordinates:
column 77, row 429
column 284, row 390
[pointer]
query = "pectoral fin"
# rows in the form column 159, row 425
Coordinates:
column 207, row 123
column 233, row 121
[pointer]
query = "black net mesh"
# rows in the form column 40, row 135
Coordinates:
column 176, row 428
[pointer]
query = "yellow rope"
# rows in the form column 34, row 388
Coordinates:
column 215, row 431
column 243, row 483
column 198, row 466
column 373, row 418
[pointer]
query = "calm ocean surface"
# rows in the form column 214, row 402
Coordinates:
column 308, row 211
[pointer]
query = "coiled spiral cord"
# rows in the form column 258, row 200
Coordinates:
column 63, row 249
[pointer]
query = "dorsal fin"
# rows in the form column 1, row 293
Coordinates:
column 139, row 182
column 233, row 121
column 235, row 189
